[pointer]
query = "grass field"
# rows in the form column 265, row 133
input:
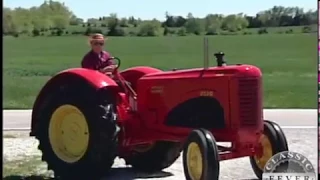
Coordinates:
column 288, row 62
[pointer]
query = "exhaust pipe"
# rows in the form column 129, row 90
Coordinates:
column 206, row 53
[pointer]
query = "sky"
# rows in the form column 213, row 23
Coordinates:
column 149, row 9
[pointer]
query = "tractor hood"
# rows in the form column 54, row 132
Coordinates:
column 239, row 70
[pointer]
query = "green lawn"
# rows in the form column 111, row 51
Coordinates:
column 288, row 62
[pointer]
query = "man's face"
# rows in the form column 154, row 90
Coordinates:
column 97, row 46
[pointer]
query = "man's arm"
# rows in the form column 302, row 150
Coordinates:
column 110, row 64
column 87, row 63
column 109, row 68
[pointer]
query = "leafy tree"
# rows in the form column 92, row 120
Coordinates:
column 149, row 28
column 213, row 21
column 193, row 25
column 234, row 23
column 74, row 21
column 123, row 22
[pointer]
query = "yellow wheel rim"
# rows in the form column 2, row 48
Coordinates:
column 266, row 152
column 68, row 133
column 194, row 161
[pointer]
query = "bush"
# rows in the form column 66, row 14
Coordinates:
column 59, row 32
column 77, row 32
column 197, row 32
column 182, row 32
column 263, row 31
column 15, row 35
column 247, row 33
column 147, row 29
column 117, row 31
column 35, row 32
column 280, row 32
column 289, row 31
column 166, row 31
column 212, row 31
column 228, row 33
column 25, row 32
column 306, row 29
column 132, row 33
column 90, row 30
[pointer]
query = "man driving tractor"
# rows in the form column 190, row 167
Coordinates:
column 97, row 58
column 100, row 60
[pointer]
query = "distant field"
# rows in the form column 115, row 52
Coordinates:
column 288, row 62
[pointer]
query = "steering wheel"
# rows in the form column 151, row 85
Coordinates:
column 118, row 62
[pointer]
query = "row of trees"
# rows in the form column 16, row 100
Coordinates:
column 56, row 17
column 48, row 15
column 274, row 17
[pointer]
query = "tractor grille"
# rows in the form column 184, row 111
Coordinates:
column 250, row 101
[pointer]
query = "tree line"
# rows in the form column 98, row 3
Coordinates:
column 55, row 18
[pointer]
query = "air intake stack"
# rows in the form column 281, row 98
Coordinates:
column 220, row 60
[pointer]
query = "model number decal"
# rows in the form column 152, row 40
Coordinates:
column 157, row 89
column 206, row 93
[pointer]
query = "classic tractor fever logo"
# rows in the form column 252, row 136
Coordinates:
column 289, row 165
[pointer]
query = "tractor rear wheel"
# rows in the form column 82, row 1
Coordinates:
column 78, row 133
column 159, row 156
column 273, row 141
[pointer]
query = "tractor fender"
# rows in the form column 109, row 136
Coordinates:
column 133, row 74
column 139, row 70
column 94, row 78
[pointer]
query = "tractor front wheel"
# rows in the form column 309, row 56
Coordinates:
column 201, row 156
column 273, row 141
column 78, row 133
column 158, row 156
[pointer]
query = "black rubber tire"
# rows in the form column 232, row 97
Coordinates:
column 210, row 154
column 160, row 156
column 99, row 110
column 278, row 142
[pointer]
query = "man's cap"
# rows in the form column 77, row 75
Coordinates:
column 96, row 37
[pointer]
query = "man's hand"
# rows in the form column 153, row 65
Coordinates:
column 108, row 69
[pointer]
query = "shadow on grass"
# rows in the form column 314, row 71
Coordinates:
column 114, row 174
column 129, row 174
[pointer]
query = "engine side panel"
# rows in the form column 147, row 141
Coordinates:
column 158, row 96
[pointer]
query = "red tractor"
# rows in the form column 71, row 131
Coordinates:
column 83, row 119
